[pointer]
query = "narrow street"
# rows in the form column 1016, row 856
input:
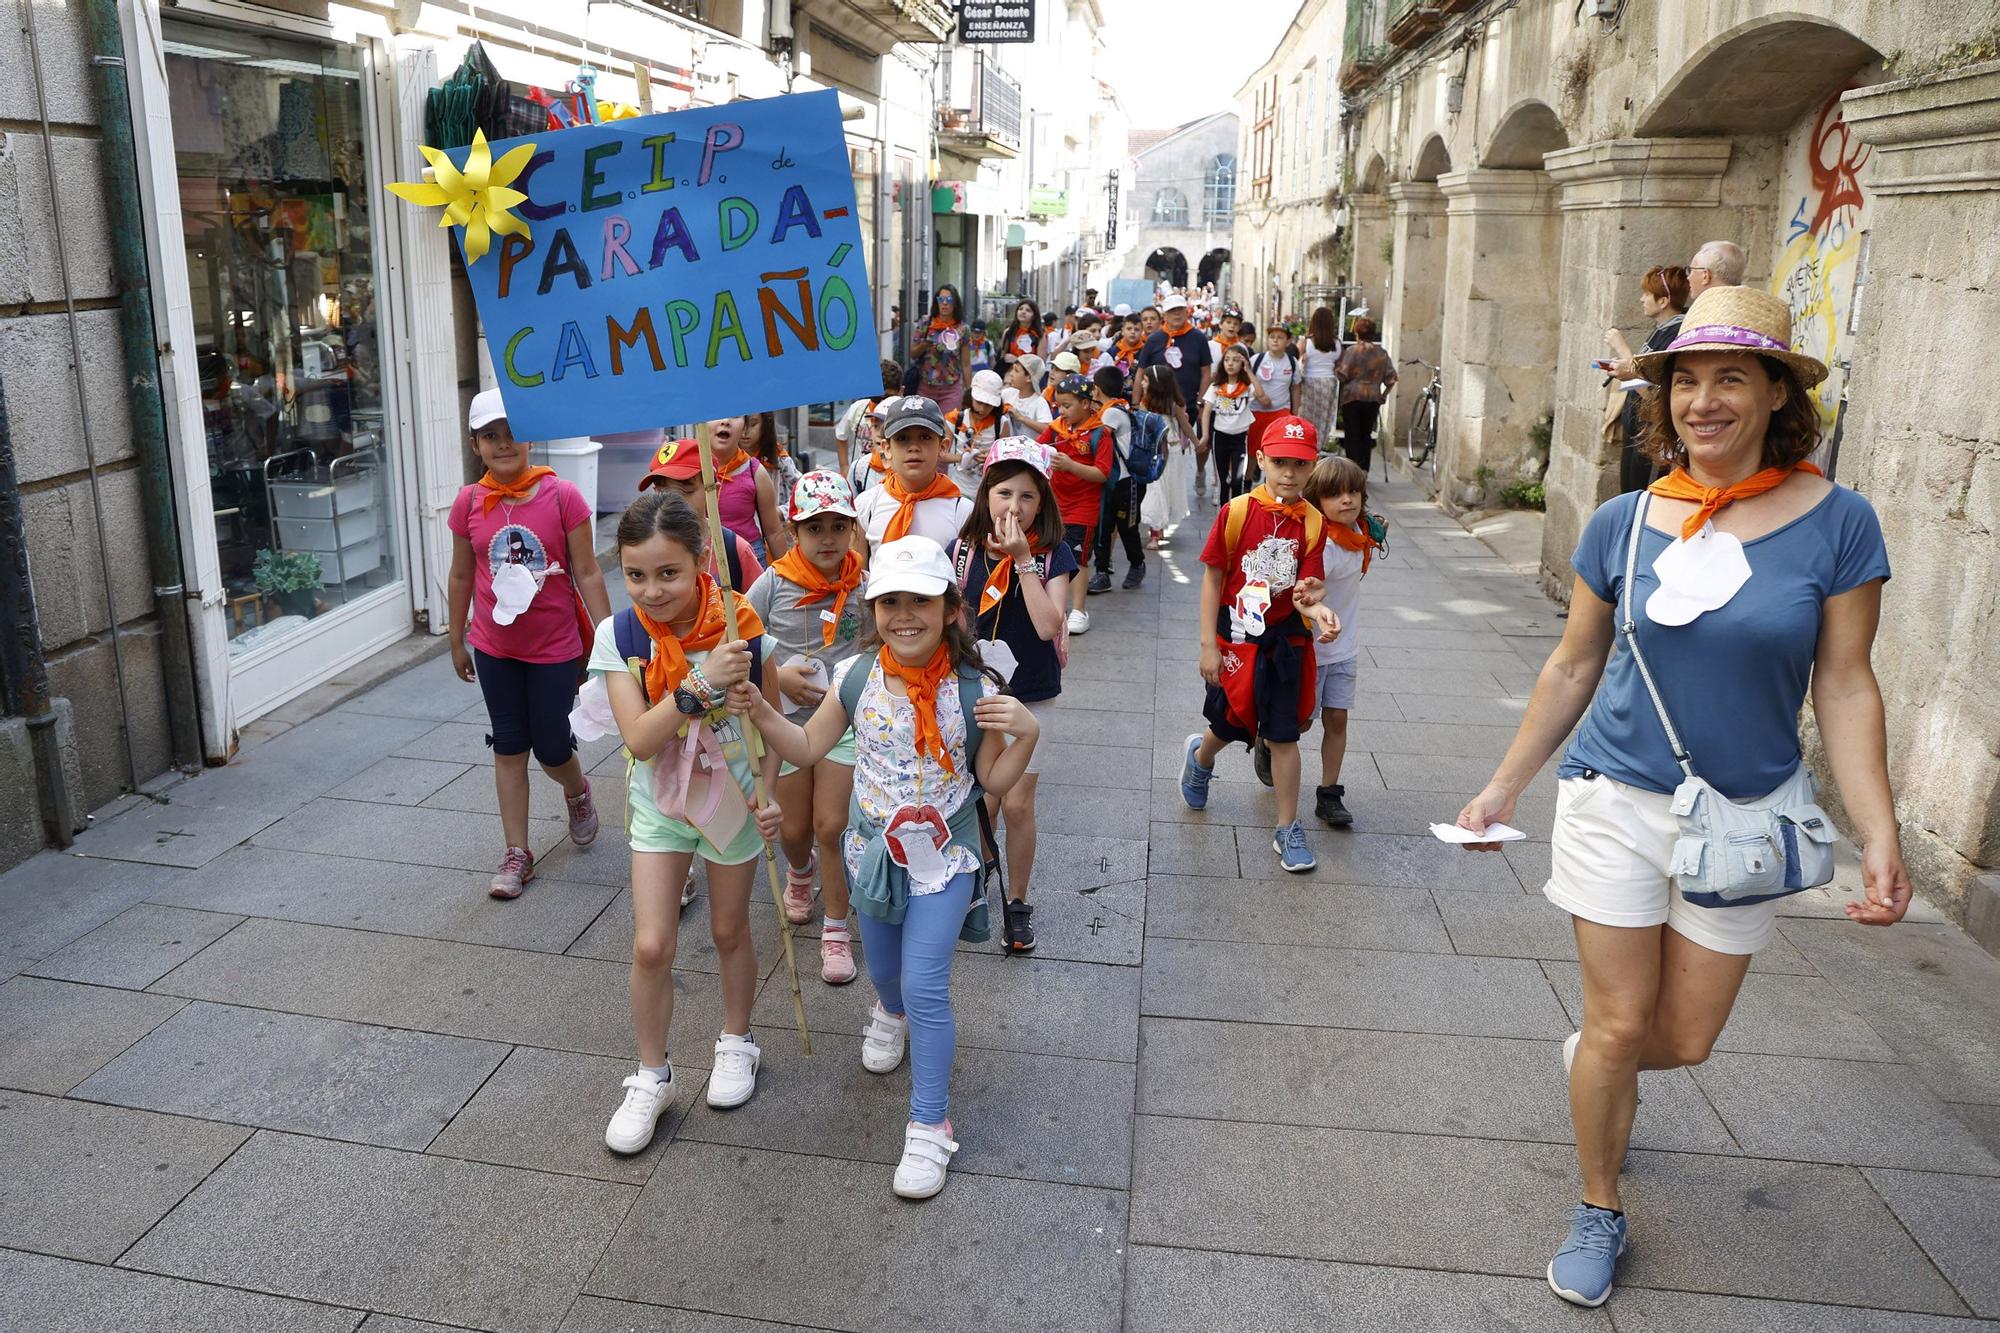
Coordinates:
column 274, row 1061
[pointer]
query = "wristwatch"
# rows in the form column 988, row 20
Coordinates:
column 688, row 702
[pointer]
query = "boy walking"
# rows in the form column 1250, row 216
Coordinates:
column 1256, row 637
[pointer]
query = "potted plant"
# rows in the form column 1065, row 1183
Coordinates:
column 290, row 576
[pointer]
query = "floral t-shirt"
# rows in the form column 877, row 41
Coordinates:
column 889, row 773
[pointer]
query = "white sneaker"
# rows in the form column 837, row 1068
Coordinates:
column 1569, row 1050
column 1079, row 622
column 734, row 1077
column 632, row 1124
column 883, row 1041
column 926, row 1154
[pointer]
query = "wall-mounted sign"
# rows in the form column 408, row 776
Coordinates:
column 996, row 20
column 1111, row 210
column 1047, row 203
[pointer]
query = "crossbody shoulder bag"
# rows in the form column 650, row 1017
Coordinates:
column 1731, row 853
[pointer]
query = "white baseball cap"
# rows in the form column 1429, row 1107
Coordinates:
column 1174, row 302
column 485, row 410
column 1122, row 308
column 909, row 564
column 986, row 387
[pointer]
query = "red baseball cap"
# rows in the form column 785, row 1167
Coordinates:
column 1291, row 437
column 676, row 460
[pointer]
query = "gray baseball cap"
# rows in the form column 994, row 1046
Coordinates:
column 912, row 410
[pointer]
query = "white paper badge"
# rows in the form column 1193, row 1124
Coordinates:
column 1173, row 356
column 1697, row 575
column 514, row 587
column 999, row 658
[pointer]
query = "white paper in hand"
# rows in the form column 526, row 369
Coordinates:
column 591, row 719
column 1457, row 836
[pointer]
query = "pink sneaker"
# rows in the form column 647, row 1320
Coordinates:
column 836, row 956
column 517, row 867
column 799, row 891
column 582, row 817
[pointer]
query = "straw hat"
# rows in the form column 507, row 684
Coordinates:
column 1735, row 319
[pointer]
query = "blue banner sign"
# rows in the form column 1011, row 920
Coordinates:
column 680, row 267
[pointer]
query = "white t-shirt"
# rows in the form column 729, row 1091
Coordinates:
column 940, row 519
column 1315, row 364
column 1275, row 373
column 1343, row 595
column 1232, row 415
column 1035, row 416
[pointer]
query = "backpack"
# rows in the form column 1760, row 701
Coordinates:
column 1238, row 514
column 1147, row 458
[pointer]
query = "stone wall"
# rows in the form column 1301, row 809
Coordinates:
column 1181, row 163
column 36, row 372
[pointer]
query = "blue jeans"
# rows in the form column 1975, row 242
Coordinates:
column 910, row 965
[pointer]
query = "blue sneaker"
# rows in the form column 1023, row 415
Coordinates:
column 1581, row 1271
column 1289, row 843
column 1195, row 778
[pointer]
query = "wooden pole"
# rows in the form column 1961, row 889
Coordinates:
column 717, row 535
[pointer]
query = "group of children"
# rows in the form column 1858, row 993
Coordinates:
column 871, row 704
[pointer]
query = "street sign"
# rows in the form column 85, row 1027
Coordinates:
column 996, row 21
column 1046, row 203
column 1111, row 210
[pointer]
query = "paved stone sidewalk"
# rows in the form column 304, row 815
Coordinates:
column 273, row 1061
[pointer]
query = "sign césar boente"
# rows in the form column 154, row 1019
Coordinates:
column 680, row 267
column 996, row 20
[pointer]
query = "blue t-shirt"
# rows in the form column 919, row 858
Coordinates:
column 1733, row 679
column 1038, row 672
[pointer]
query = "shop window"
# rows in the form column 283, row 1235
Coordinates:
column 1219, row 190
column 270, row 151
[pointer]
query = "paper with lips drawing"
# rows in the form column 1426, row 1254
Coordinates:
column 1697, row 575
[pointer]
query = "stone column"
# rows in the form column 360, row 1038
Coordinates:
column 1921, row 439
column 1626, row 205
column 1412, row 318
column 1371, row 232
column 1502, row 256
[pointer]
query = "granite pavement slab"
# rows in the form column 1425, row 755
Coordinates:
column 610, row 936
column 594, row 1314
column 484, row 1246
column 1775, row 1014
column 546, row 1110
column 1354, row 988
column 1957, row 1221
column 1028, row 1117
column 319, row 1076
column 397, row 781
column 756, row 1233
column 1643, row 1310
column 53, row 898
column 415, row 835
column 392, row 897
column 53, row 1034
column 1295, row 911
column 86, row 1181
column 137, row 947
column 1062, row 807
column 464, row 990
column 1393, row 860
column 1476, row 1087
column 1495, row 925
column 49, row 1295
column 1171, row 1291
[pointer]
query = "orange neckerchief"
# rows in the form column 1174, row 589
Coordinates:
column 518, row 490
column 1131, row 348
column 973, row 424
column 1678, row 485
column 939, row 324
column 922, row 683
column 1168, row 327
column 1224, row 342
column 999, row 579
column 1295, row 511
column 734, row 466
column 794, row 566
column 941, row 488
column 875, row 462
column 1352, row 539
column 1066, row 434
column 669, row 664
column 1233, row 388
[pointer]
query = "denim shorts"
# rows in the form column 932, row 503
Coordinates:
column 1336, row 683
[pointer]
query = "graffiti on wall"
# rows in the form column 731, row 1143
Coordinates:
column 1819, row 260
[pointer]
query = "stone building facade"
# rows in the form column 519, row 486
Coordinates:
column 1517, row 167
column 1181, row 202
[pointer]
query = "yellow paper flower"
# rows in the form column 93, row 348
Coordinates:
column 478, row 198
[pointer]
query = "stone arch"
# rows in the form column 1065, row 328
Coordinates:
column 1373, row 176
column 1433, row 160
column 1771, row 70
column 1528, row 130
column 1211, row 269
column 1167, row 265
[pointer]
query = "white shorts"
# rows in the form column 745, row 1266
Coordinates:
column 1608, row 860
column 1045, row 717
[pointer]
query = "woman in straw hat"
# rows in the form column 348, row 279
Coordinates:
column 1753, row 575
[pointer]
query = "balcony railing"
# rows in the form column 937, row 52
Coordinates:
column 1410, row 21
column 892, row 21
column 991, row 125
column 1361, row 67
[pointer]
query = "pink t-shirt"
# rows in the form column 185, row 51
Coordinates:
column 533, row 532
column 737, row 497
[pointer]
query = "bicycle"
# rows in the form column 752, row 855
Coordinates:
column 1420, row 440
